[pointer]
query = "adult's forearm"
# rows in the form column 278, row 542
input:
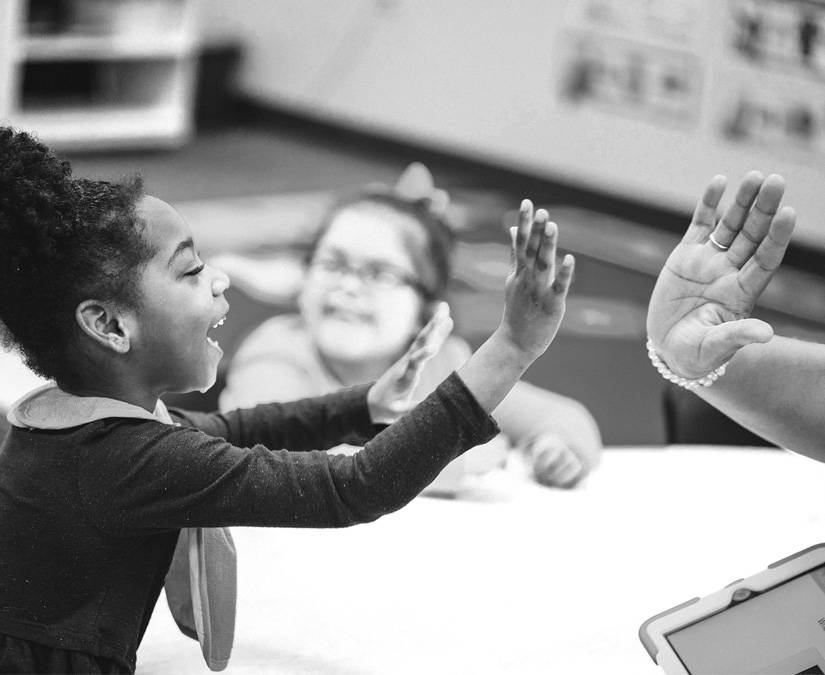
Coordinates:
column 777, row 390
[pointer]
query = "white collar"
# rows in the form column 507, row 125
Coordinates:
column 49, row 407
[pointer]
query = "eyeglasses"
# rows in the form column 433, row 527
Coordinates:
column 372, row 275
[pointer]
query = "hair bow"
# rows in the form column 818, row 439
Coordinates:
column 416, row 183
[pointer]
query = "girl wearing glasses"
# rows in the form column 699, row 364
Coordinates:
column 379, row 265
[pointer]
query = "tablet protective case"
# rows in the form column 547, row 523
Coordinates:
column 644, row 633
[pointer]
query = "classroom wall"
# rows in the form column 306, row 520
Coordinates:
column 634, row 97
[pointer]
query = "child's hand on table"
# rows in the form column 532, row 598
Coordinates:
column 391, row 395
column 553, row 461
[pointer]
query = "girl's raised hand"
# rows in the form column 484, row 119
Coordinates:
column 391, row 395
column 699, row 312
column 535, row 290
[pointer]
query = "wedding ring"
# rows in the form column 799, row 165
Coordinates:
column 713, row 241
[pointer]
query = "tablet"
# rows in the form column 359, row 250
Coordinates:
column 772, row 622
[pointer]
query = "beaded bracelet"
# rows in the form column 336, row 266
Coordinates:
column 669, row 375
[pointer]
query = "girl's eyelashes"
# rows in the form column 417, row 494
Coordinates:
column 200, row 265
column 195, row 272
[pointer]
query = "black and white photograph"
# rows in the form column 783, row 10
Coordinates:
column 390, row 337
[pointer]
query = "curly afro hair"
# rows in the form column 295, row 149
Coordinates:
column 62, row 240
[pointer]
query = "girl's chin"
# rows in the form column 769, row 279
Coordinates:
column 345, row 328
column 358, row 339
column 206, row 383
column 354, row 352
column 210, row 370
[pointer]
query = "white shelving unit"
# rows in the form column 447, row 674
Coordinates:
column 111, row 74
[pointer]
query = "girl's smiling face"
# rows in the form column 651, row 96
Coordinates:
column 181, row 301
column 361, row 301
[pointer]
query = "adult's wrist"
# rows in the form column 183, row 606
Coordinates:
column 670, row 360
column 704, row 380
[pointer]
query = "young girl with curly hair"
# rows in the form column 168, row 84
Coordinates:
column 103, row 292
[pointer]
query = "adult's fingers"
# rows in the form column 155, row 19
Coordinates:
column 736, row 214
column 759, row 268
column 724, row 340
column 704, row 215
column 758, row 220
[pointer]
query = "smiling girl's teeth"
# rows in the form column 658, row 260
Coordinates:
column 220, row 323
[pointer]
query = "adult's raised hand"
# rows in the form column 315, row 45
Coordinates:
column 699, row 314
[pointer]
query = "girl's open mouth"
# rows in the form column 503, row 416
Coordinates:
column 217, row 324
column 347, row 314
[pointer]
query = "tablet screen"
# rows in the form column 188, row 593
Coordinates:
column 781, row 631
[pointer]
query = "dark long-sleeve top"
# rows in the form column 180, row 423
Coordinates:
column 89, row 516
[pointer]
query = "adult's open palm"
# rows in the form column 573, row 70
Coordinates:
column 700, row 310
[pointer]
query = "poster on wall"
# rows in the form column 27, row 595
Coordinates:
column 782, row 35
column 670, row 22
column 635, row 58
column 630, row 78
column 790, row 124
column 778, row 101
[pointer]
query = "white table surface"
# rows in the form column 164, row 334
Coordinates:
column 511, row 577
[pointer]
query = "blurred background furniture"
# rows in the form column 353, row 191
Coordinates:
column 99, row 73
column 689, row 420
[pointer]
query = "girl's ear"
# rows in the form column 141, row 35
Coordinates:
column 104, row 324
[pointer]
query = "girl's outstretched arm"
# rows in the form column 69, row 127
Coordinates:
column 165, row 477
column 535, row 293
